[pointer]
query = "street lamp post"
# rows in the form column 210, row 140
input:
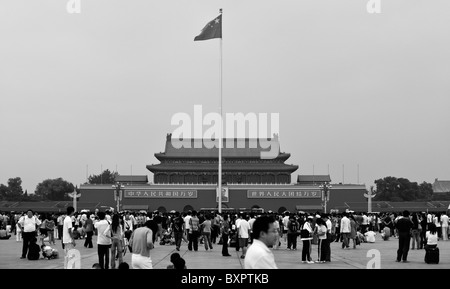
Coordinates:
column 118, row 194
column 370, row 195
column 325, row 188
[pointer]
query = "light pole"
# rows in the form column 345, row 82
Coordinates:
column 325, row 188
column 118, row 193
column 370, row 195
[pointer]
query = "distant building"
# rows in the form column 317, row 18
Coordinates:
column 441, row 188
column 186, row 179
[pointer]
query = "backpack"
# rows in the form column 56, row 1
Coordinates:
column 293, row 227
column 194, row 225
column 50, row 225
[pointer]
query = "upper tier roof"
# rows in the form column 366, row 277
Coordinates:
column 199, row 148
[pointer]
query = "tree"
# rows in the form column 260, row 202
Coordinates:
column 12, row 192
column 54, row 190
column 106, row 177
column 401, row 189
column 426, row 191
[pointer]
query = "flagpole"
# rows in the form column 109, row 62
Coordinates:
column 221, row 127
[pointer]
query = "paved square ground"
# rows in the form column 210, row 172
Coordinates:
column 10, row 251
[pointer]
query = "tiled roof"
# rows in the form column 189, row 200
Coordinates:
column 203, row 148
column 225, row 167
column 441, row 186
column 129, row 178
column 313, row 178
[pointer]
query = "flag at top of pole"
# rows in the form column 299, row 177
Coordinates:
column 212, row 30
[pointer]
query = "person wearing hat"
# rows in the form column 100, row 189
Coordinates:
column 306, row 237
column 404, row 227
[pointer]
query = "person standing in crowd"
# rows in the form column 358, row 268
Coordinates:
column 293, row 227
column 68, row 239
column 364, row 223
column 285, row 222
column 330, row 237
column 423, row 229
column 277, row 227
column 89, row 229
column 60, row 222
column 243, row 229
column 193, row 231
column 103, row 240
column 178, row 229
column 444, row 226
column 259, row 255
column 415, row 234
column 346, row 229
column 187, row 225
column 250, row 223
column 353, row 231
column 50, row 227
column 116, row 240
column 28, row 225
column 404, row 226
column 336, row 230
column 322, row 236
column 225, row 230
column 306, row 237
column 215, row 227
column 437, row 222
column 206, row 232
column 18, row 232
column 141, row 242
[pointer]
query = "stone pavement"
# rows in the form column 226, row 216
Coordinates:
column 10, row 251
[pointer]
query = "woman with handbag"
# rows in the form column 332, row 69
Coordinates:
column 306, row 237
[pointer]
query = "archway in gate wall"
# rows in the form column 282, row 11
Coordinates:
column 188, row 208
column 162, row 209
column 281, row 210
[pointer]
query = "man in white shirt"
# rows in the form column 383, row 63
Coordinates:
column 67, row 235
column 187, row 225
column 370, row 236
column 444, row 222
column 250, row 222
column 345, row 230
column 258, row 254
column 365, row 223
column 285, row 222
column 243, row 232
column 103, row 240
column 28, row 224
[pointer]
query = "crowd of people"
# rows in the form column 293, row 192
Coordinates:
column 138, row 231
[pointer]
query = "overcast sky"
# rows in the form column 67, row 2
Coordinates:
column 99, row 88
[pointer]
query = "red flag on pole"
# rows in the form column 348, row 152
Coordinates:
column 212, row 30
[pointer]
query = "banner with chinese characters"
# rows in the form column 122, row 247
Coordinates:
column 161, row 194
column 283, row 194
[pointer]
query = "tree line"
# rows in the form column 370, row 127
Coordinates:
column 50, row 189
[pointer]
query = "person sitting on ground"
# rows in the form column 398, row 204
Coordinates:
column 33, row 250
column 370, row 236
column 48, row 252
column 4, row 234
column 361, row 237
column 386, row 233
column 431, row 237
column 177, row 262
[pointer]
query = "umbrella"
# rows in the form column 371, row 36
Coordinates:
column 173, row 212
